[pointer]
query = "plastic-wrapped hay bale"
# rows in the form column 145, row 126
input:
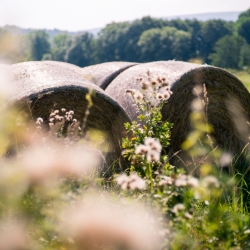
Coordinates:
column 228, row 108
column 102, row 74
column 42, row 87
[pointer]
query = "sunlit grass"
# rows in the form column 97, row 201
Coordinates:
column 243, row 76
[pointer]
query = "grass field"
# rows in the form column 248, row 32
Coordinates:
column 243, row 75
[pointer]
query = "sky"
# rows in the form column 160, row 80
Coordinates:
column 78, row 15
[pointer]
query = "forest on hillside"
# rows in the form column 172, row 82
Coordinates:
column 216, row 42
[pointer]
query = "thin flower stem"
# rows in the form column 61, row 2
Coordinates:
column 149, row 175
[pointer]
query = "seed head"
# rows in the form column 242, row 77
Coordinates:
column 181, row 181
column 166, row 95
column 153, row 84
column 141, row 149
column 166, row 180
column 138, row 96
column 159, row 96
column 153, row 156
column 145, row 85
column 192, row 182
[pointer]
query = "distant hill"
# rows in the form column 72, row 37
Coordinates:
column 227, row 16
column 15, row 30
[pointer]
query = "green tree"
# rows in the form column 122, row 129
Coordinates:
column 245, row 56
column 211, row 31
column 112, row 41
column 164, row 44
column 119, row 41
column 61, row 43
column 179, row 24
column 227, row 51
column 80, row 51
column 195, row 47
column 39, row 45
column 243, row 25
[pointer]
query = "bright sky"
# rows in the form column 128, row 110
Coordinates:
column 76, row 15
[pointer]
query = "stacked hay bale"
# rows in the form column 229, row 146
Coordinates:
column 104, row 73
column 45, row 86
column 42, row 87
column 228, row 107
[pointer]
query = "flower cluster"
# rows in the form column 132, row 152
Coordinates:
column 39, row 122
column 62, row 115
column 181, row 180
column 76, row 161
column 131, row 182
column 151, row 148
column 153, row 91
column 108, row 223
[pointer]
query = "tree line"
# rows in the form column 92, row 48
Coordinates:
column 217, row 42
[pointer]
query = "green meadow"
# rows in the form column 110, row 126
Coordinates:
column 243, row 76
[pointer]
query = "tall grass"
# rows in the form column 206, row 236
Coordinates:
column 53, row 196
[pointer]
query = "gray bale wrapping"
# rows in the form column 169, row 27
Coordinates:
column 42, row 87
column 102, row 74
column 227, row 97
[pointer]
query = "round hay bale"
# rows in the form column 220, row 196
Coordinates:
column 43, row 87
column 227, row 111
column 104, row 73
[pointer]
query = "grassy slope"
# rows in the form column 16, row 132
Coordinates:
column 244, row 76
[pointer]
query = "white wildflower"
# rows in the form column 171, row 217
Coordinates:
column 123, row 180
column 78, row 161
column 153, row 83
column 145, row 85
column 225, row 159
column 181, row 181
column 166, row 95
column 153, row 155
column 206, row 203
column 154, row 144
column 131, row 182
column 39, row 120
column 138, row 97
column 141, row 149
column 152, row 102
column 159, row 96
column 166, row 180
column 210, row 182
column 102, row 222
column 192, row 182
column 177, row 208
column 136, row 182
column 164, row 82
